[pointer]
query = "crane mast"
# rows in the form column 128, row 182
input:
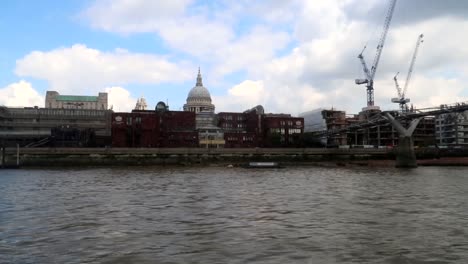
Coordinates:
column 371, row 73
column 401, row 94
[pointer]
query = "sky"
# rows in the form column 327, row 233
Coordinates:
column 290, row 56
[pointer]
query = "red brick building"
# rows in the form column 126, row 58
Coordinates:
column 241, row 130
column 160, row 128
column 282, row 130
column 253, row 128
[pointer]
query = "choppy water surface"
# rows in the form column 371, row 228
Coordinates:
column 219, row 215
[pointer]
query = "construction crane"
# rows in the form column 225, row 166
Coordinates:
column 369, row 74
column 401, row 93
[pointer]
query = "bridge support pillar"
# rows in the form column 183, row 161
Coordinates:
column 405, row 156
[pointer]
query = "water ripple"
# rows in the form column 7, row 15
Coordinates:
column 214, row 215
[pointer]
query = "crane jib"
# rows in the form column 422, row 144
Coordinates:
column 401, row 94
column 371, row 74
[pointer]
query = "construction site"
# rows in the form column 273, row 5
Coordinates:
column 367, row 130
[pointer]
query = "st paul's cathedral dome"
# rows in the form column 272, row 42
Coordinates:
column 199, row 98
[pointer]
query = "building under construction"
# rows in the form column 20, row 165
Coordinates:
column 336, row 124
column 335, row 120
column 384, row 135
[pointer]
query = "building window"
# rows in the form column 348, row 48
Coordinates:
column 137, row 120
column 294, row 131
column 129, row 120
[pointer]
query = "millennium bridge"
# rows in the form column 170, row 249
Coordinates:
column 405, row 155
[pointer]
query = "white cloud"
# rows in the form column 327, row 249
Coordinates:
column 242, row 97
column 319, row 18
column 133, row 16
column 320, row 69
column 20, row 94
column 216, row 44
column 196, row 35
column 210, row 35
column 248, row 94
column 250, row 52
column 424, row 91
column 79, row 69
column 120, row 99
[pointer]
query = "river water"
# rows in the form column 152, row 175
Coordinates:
column 234, row 215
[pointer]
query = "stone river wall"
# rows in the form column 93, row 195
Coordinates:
column 185, row 156
column 49, row 157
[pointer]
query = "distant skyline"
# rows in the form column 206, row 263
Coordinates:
column 289, row 56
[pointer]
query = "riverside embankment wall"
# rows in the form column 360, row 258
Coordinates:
column 185, row 156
